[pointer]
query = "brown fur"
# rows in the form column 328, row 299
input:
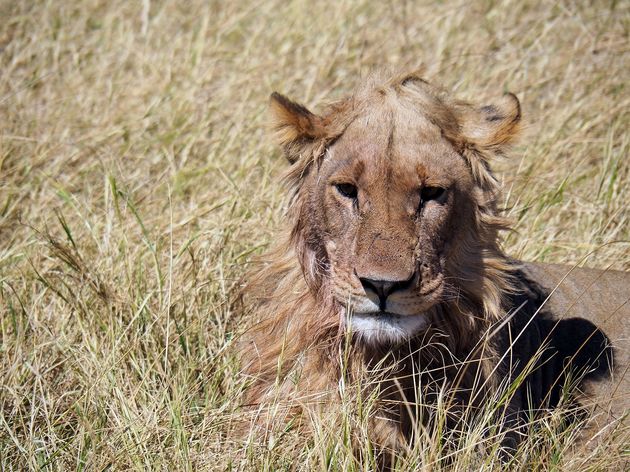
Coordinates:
column 391, row 138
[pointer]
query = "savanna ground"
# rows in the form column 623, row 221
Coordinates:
column 138, row 181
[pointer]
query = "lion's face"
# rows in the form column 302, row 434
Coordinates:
column 388, row 208
column 387, row 202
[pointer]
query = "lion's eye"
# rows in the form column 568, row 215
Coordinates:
column 431, row 193
column 347, row 190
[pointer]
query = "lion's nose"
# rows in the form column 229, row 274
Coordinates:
column 384, row 288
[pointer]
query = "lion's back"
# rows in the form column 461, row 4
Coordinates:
column 602, row 297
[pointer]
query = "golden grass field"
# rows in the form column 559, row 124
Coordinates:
column 138, row 180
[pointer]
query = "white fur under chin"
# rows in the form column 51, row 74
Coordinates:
column 387, row 328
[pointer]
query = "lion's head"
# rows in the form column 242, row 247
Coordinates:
column 394, row 210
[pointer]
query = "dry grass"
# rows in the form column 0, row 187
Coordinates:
column 137, row 181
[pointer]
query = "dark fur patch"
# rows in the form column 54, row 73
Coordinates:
column 489, row 109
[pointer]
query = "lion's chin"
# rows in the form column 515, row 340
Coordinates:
column 382, row 328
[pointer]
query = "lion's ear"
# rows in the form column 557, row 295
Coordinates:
column 494, row 126
column 294, row 125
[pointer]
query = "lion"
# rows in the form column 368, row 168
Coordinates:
column 391, row 272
